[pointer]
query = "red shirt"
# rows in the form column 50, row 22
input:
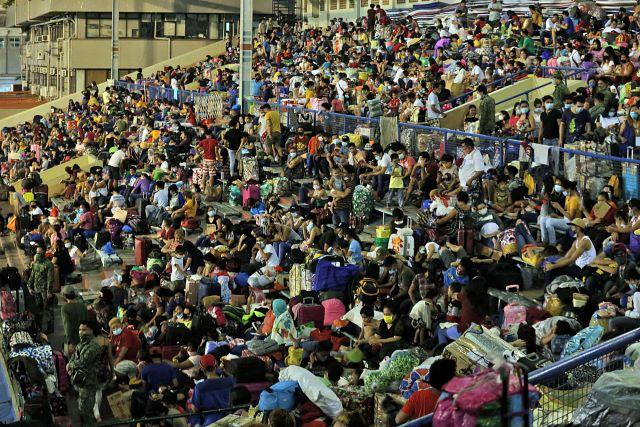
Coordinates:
column 128, row 339
column 209, row 146
column 421, row 403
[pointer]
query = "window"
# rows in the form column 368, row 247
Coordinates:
column 322, row 5
column 343, row 4
column 352, row 4
column 14, row 41
column 333, row 5
column 98, row 25
column 1, row 43
column 197, row 25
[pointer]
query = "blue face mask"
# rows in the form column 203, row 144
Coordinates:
column 634, row 115
column 567, row 106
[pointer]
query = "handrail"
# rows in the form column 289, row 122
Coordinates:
column 540, row 375
column 579, row 70
column 143, row 420
column 500, row 80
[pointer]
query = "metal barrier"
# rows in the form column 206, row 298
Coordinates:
column 565, row 384
column 590, row 169
column 153, row 92
column 144, row 420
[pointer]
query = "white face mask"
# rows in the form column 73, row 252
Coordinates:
column 67, row 245
column 483, row 211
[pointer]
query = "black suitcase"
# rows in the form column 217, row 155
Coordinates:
column 246, row 369
column 141, row 204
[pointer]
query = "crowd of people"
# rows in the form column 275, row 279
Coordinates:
column 261, row 265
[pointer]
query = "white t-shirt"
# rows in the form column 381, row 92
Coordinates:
column 116, row 158
column 273, row 260
column 385, row 162
column 174, row 83
column 477, row 71
column 175, row 274
column 471, row 164
column 341, row 88
column 433, row 101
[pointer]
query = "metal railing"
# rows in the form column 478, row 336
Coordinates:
column 153, row 92
column 590, row 169
column 569, row 73
column 565, row 384
column 144, row 420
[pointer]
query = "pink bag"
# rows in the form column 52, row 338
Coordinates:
column 514, row 315
column 250, row 191
column 7, row 305
column 333, row 310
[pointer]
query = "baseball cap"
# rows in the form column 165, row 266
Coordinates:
column 207, row 361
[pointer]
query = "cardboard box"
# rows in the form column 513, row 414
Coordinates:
column 120, row 404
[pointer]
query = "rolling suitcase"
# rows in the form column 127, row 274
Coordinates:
column 310, row 313
column 141, row 204
column 141, row 251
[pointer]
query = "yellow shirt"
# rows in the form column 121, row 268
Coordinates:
column 273, row 117
column 572, row 206
column 189, row 208
column 396, row 178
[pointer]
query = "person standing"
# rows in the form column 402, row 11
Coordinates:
column 233, row 137
column 550, row 120
column 487, row 112
column 495, row 9
column 561, row 90
column 83, row 368
column 40, row 285
column 209, row 150
column 73, row 313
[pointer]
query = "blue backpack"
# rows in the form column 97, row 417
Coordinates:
column 583, row 340
column 331, row 277
column 281, row 395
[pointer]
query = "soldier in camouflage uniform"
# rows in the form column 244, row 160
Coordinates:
column 560, row 90
column 83, row 368
column 40, row 285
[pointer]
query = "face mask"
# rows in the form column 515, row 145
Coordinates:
column 518, row 110
column 549, row 105
column 633, row 287
column 309, row 227
column 117, row 332
column 524, row 110
column 262, row 244
column 180, row 316
column 388, row 319
column 292, row 155
column 579, row 109
column 211, row 213
column 565, row 193
column 378, row 158
column 557, row 188
column 338, row 184
column 634, row 115
column 244, row 151
column 67, row 245
column 483, row 211
column 316, row 186
column 592, row 85
column 345, row 143
column 538, row 109
column 567, row 106
column 398, row 222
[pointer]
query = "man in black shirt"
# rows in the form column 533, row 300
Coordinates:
column 549, row 123
column 232, row 138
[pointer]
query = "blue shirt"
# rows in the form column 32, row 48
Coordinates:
column 158, row 374
column 255, row 87
column 570, row 26
column 356, row 251
column 451, row 276
column 214, row 393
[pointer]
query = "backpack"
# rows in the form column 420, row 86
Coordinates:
column 368, row 287
column 8, row 308
column 10, row 276
column 583, row 340
column 262, row 347
column 362, row 202
column 514, row 315
column 281, row 395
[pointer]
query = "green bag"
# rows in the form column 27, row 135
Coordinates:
column 362, row 202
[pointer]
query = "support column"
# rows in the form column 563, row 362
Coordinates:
column 246, row 45
column 115, row 39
